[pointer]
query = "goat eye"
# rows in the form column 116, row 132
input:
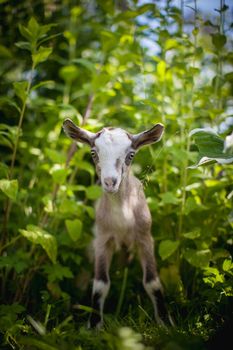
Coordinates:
column 93, row 153
column 129, row 157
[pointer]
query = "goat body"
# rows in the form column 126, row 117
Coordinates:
column 122, row 213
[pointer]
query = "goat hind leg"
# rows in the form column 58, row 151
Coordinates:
column 151, row 281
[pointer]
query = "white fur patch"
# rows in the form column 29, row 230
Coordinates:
column 153, row 285
column 112, row 145
column 150, row 287
column 101, row 287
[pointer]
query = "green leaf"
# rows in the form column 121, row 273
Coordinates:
column 93, row 192
column 85, row 63
column 20, row 88
column 41, row 55
column 25, row 32
column 169, row 198
column 47, row 83
column 5, row 52
column 57, row 272
column 69, row 208
column 170, row 44
column 198, row 258
column 59, row 175
column 74, row 228
column 38, row 236
column 4, row 100
column 219, row 40
column 69, row 73
column 227, row 265
column 36, row 343
column 167, row 248
column 9, row 187
column 83, row 165
column 90, row 211
column 211, row 148
column 161, row 70
column 33, row 27
column 55, row 156
column 192, row 234
column 191, row 204
column 23, row 45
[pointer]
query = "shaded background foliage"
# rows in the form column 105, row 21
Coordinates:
column 127, row 64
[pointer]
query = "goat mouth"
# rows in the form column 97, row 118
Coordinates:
column 111, row 190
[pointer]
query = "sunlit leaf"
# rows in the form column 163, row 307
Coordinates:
column 169, row 198
column 25, row 32
column 85, row 63
column 227, row 265
column 161, row 70
column 41, row 55
column 198, row 258
column 21, row 90
column 93, row 192
column 47, row 83
column 211, row 147
column 192, row 234
column 37, row 235
column 33, row 27
column 74, row 228
column 69, row 73
column 9, row 187
column 167, row 248
column 23, row 45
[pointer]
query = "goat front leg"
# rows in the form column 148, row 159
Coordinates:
column 151, row 280
column 101, row 285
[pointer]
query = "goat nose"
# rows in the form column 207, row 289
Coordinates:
column 110, row 181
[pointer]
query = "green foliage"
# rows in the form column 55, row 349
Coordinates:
column 211, row 147
column 10, row 188
column 38, row 236
column 91, row 62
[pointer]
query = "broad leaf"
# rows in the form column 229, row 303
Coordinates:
column 219, row 40
column 198, row 258
column 74, row 228
column 93, row 192
column 21, row 90
column 41, row 55
column 167, row 248
column 9, row 187
column 23, row 45
column 211, row 148
column 192, row 234
column 39, row 236
column 25, row 32
column 69, row 73
column 59, row 174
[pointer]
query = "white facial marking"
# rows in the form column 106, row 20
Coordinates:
column 112, row 146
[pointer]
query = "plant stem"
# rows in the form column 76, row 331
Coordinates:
column 70, row 155
column 122, row 293
column 21, row 122
column 8, row 204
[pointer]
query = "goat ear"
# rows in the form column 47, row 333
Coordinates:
column 149, row 136
column 78, row 134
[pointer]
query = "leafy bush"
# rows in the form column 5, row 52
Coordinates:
column 91, row 62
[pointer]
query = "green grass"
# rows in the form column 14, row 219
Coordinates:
column 122, row 333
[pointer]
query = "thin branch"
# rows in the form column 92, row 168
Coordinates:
column 70, row 155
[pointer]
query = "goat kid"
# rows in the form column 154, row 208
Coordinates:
column 122, row 213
